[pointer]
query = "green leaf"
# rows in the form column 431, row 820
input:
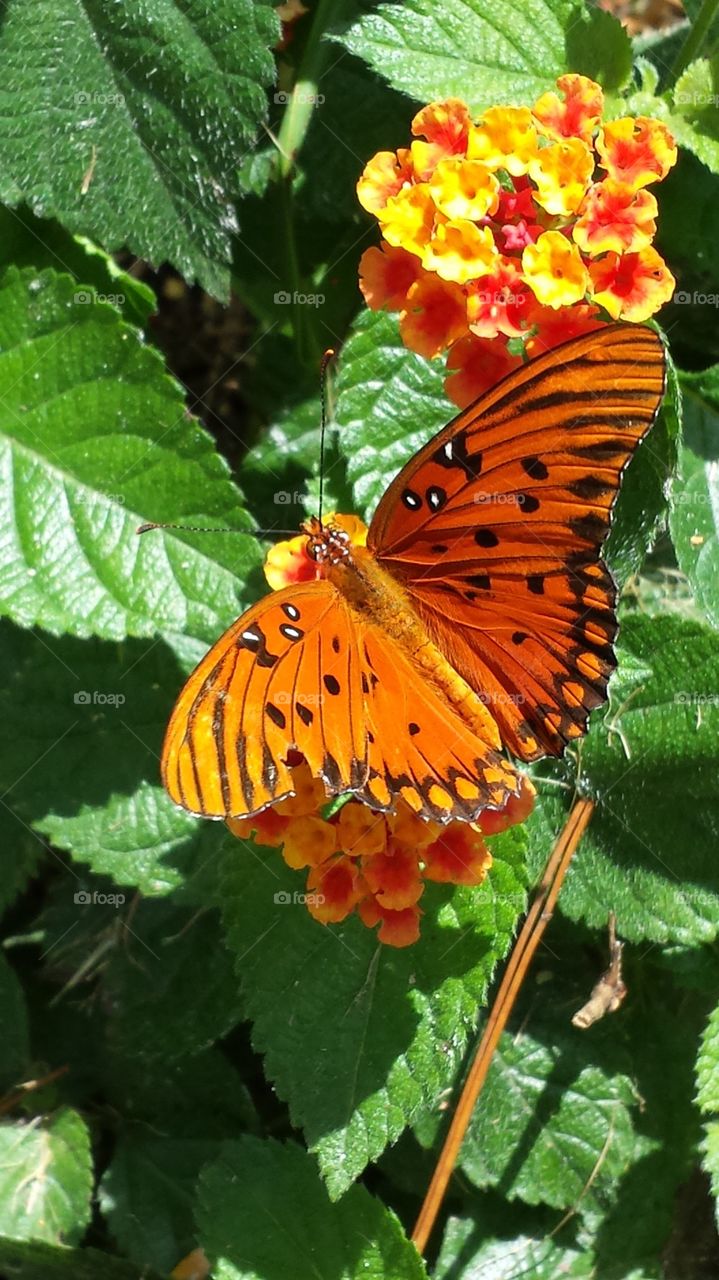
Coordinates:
column 485, row 1254
column 36, row 1261
column 263, row 1212
column 147, row 1194
column 146, row 110
column 26, row 241
column 390, row 401
column 387, row 1026
column 694, row 505
column 650, row 765
column 171, row 986
column 15, row 1049
column 95, row 438
column 598, row 46
column 708, row 1099
column 695, row 116
column 45, row 1178
column 545, row 1122
column 466, row 50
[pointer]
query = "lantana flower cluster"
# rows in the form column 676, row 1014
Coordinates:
column 357, row 859
column 375, row 864
column 530, row 224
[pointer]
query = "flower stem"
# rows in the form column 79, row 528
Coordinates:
column 695, row 39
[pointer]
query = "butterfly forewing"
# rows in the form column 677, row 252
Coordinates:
column 495, row 529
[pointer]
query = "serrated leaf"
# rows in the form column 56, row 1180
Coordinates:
column 650, row 765
column 545, row 1122
column 384, row 1028
column 463, row 50
column 147, row 109
column 695, row 116
column 598, row 46
column 95, row 440
column 26, row 241
column 708, row 1099
column 241, row 1232
column 45, row 1178
column 483, row 1254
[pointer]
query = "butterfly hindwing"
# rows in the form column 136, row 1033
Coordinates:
column 495, row 530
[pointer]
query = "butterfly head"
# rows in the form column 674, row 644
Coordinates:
column 327, row 544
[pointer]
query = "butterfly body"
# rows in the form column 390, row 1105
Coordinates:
column 480, row 614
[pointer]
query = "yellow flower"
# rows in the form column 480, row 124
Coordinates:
column 384, row 176
column 562, row 172
column 464, row 189
column 408, row 218
column 554, row 270
column 506, row 138
column 631, row 286
column 460, row 251
column 576, row 117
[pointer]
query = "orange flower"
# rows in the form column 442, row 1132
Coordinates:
column 445, row 126
column 360, row 830
column 334, row 890
column 636, row 152
column 631, row 287
column 459, row 856
column 397, row 928
column 309, row 841
column 394, row 876
column 505, row 138
column 435, row 313
column 562, row 173
column 498, row 302
column 474, row 365
column 553, row 327
column 615, row 217
column 269, row 828
column 554, row 270
column 386, row 275
column 516, row 810
column 577, row 116
column 385, row 176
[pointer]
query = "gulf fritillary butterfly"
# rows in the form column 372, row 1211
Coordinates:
column 481, row 586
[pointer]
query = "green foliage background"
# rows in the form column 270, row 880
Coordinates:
column 216, row 1071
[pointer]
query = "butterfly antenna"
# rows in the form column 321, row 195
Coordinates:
column 193, row 528
column 328, row 355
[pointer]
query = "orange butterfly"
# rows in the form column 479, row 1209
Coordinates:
column 481, row 586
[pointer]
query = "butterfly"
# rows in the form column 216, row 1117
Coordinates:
column 479, row 617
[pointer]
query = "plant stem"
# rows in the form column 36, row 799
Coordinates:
column 695, row 39
column 528, row 940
